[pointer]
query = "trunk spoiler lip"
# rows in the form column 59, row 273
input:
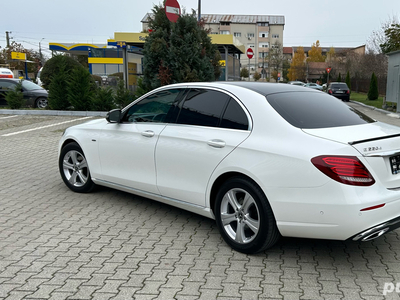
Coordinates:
column 374, row 139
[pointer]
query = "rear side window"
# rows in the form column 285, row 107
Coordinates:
column 203, row 108
column 315, row 110
column 234, row 117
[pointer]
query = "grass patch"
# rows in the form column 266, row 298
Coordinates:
column 362, row 97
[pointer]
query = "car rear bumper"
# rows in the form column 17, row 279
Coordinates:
column 377, row 231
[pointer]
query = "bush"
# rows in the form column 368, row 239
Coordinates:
column 123, row 96
column 339, row 79
column 52, row 67
column 256, row 76
column 15, row 98
column 58, row 88
column 119, row 75
column 373, row 92
column 103, row 99
column 79, row 89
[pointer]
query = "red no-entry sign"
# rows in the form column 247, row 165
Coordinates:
column 172, row 10
column 250, row 53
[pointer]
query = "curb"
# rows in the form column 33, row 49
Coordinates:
column 389, row 113
column 53, row 113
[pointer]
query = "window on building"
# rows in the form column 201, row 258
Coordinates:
column 262, row 24
column 263, row 45
column 263, row 34
column 224, row 32
column 225, row 23
column 275, row 36
column 237, row 34
column 250, row 35
column 262, row 54
column 250, row 45
column 214, row 32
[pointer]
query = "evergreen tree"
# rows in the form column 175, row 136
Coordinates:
column 123, row 97
column 348, row 80
column 373, row 92
column 80, row 89
column 58, row 88
column 15, row 98
column 52, row 67
column 103, row 99
column 339, row 79
column 178, row 52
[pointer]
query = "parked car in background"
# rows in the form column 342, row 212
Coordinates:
column 297, row 83
column 314, row 86
column 262, row 159
column 339, row 90
column 34, row 95
column 6, row 73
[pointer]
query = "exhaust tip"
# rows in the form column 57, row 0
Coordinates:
column 375, row 234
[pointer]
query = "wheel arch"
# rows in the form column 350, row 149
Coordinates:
column 223, row 178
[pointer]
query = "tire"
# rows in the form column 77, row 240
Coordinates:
column 41, row 103
column 241, row 204
column 74, row 169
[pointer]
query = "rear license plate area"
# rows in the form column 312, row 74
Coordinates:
column 395, row 164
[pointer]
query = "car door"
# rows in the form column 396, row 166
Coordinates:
column 126, row 149
column 209, row 126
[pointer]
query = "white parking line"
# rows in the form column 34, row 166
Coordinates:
column 38, row 128
column 8, row 117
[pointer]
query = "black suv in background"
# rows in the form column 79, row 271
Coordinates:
column 34, row 95
column 339, row 90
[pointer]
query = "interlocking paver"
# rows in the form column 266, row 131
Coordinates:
column 56, row 244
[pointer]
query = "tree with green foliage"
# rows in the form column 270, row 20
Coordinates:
column 339, row 78
column 123, row 96
column 58, row 88
column 244, row 73
column 348, row 80
column 80, row 89
column 52, row 67
column 103, row 99
column 373, row 92
column 392, row 39
column 178, row 52
column 15, row 97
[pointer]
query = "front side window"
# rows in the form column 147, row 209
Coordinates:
column 154, row 108
column 203, row 108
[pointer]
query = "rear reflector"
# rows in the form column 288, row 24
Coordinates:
column 373, row 207
column 344, row 169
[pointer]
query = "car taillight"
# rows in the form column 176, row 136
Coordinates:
column 345, row 169
column 329, row 91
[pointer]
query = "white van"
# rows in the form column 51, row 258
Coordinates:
column 6, row 73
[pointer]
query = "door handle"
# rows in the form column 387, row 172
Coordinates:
column 216, row 143
column 148, row 133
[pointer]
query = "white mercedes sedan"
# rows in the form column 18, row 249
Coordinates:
column 264, row 160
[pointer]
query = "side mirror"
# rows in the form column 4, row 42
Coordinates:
column 114, row 116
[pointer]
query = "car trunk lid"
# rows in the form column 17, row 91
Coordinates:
column 378, row 143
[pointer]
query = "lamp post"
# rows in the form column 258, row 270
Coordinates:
column 199, row 12
column 40, row 53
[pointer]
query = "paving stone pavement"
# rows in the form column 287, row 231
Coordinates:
column 56, row 244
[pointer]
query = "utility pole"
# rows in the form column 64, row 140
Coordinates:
column 199, row 13
column 40, row 53
column 8, row 39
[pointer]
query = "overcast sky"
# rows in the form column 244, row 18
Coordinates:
column 338, row 23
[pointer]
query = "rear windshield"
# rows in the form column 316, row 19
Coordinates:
column 315, row 110
column 339, row 85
